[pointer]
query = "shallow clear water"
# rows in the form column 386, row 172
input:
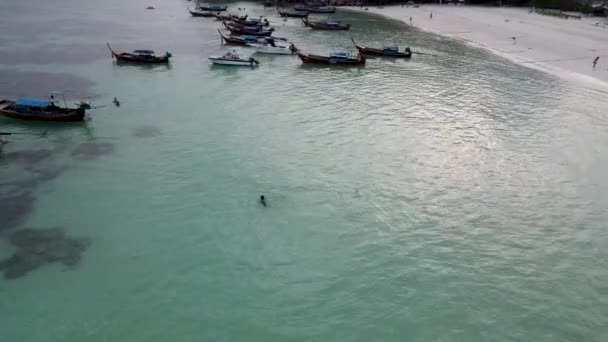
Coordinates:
column 450, row 198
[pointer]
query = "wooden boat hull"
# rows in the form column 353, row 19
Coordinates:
column 367, row 51
column 131, row 58
column 315, row 59
column 323, row 26
column 127, row 58
column 380, row 53
column 250, row 23
column 234, row 40
column 205, row 14
column 293, row 14
column 237, row 30
column 65, row 115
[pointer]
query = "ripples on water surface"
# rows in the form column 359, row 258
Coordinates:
column 449, row 198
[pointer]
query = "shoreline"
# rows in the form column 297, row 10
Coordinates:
column 562, row 47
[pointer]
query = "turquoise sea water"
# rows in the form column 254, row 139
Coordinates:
column 450, row 198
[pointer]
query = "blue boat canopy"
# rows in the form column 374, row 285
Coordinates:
column 31, row 101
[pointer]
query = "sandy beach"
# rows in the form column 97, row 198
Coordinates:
column 564, row 47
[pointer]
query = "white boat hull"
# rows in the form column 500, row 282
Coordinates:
column 276, row 50
column 228, row 62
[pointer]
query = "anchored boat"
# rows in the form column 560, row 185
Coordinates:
column 212, row 8
column 197, row 13
column 316, row 9
column 233, row 58
column 29, row 108
column 386, row 51
column 140, row 56
column 334, row 58
column 293, row 14
column 326, row 25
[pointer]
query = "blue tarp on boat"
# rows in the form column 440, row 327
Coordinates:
column 31, row 101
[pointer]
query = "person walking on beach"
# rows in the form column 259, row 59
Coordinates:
column 595, row 61
column 410, row 20
column 431, row 15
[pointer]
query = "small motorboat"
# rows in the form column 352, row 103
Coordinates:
column 293, row 14
column 334, row 25
column 212, row 8
column 334, row 58
column 233, row 58
column 140, row 56
column 198, row 13
column 272, row 47
column 28, row 108
column 390, row 50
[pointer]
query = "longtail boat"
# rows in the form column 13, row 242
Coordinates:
column 293, row 14
column 140, row 56
column 223, row 17
column 251, row 22
column 315, row 9
column 332, row 25
column 322, row 9
column 247, row 30
column 239, row 40
column 386, row 51
column 197, row 13
column 334, row 58
column 28, row 108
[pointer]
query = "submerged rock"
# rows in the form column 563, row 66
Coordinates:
column 48, row 173
column 146, row 131
column 92, row 150
column 27, row 158
column 37, row 247
column 16, row 203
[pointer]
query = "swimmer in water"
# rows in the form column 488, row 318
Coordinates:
column 263, row 200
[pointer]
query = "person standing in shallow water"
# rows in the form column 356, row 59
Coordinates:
column 431, row 15
column 595, row 61
column 263, row 200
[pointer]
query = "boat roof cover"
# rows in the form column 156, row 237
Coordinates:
column 339, row 54
column 31, row 101
column 391, row 47
column 144, row 52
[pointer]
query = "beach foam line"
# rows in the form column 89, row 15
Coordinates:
column 565, row 48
